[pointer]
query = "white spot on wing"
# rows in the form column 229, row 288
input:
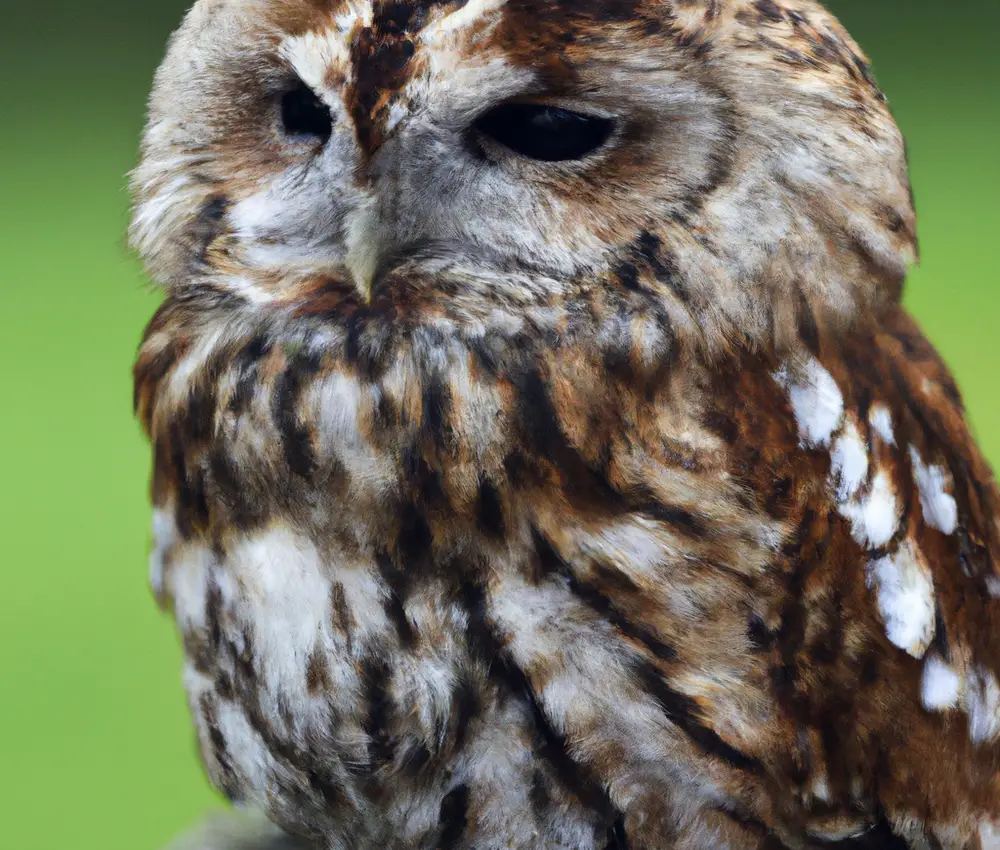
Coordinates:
column 875, row 518
column 819, row 412
column 939, row 507
column 849, row 462
column 816, row 401
column 880, row 419
column 904, row 593
column 940, row 686
column 982, row 704
column 989, row 836
column 993, row 586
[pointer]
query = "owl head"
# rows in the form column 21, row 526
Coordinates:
column 731, row 161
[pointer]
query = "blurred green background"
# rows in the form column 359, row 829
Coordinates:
column 95, row 747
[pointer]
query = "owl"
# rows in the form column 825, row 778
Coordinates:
column 541, row 455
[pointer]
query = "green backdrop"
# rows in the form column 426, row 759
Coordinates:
column 95, row 747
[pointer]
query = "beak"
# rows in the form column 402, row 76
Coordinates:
column 369, row 241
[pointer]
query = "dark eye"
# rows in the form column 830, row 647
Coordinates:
column 304, row 114
column 545, row 132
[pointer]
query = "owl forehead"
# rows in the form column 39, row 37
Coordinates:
column 372, row 51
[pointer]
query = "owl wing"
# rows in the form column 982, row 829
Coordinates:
column 884, row 652
column 780, row 575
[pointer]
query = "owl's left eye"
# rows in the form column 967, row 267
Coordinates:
column 543, row 132
column 303, row 114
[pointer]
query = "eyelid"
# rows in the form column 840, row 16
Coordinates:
column 579, row 105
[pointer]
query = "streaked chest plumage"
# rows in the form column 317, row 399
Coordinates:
column 563, row 586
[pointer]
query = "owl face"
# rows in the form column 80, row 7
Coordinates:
column 524, row 151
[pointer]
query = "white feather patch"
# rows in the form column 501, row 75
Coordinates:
column 989, row 836
column 982, row 704
column 904, row 592
column 816, row 401
column 940, row 686
column 939, row 507
column 283, row 593
column 880, row 419
column 186, row 584
column 849, row 462
column 875, row 518
column 993, row 586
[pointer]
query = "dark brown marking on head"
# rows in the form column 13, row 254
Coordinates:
column 413, row 757
column 213, row 615
column 380, row 72
column 780, row 499
column 381, row 55
column 488, row 352
column 539, row 34
column 677, row 518
column 627, row 274
column 650, row 251
column 196, row 421
column 426, row 482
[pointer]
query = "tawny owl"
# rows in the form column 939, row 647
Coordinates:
column 542, row 456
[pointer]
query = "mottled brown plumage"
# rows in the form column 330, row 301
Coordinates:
column 602, row 502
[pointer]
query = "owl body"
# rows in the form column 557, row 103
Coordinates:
column 541, row 455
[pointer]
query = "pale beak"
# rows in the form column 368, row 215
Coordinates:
column 367, row 243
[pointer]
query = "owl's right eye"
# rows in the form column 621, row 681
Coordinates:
column 304, row 115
